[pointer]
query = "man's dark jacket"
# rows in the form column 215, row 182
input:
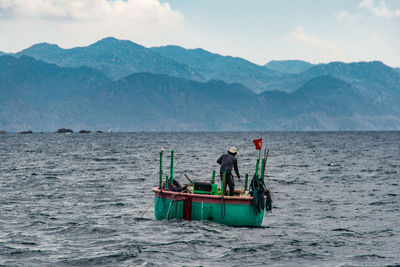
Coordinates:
column 228, row 161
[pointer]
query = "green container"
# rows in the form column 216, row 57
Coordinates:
column 233, row 211
column 202, row 188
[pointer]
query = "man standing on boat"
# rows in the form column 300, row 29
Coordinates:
column 228, row 161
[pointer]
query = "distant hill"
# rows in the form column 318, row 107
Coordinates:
column 114, row 58
column 214, row 66
column 373, row 80
column 288, row 66
column 44, row 97
column 148, row 101
column 119, row 58
column 40, row 96
column 331, row 96
column 327, row 103
column 369, row 77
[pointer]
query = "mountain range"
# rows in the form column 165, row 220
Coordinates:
column 119, row 85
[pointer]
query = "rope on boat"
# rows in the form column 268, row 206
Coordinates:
column 176, row 205
column 223, row 211
column 147, row 208
column 170, row 204
column 202, row 205
column 176, row 209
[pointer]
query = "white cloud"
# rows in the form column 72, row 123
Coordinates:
column 379, row 9
column 343, row 15
column 90, row 10
column 80, row 22
column 329, row 50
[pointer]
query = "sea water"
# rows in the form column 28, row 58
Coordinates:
column 86, row 199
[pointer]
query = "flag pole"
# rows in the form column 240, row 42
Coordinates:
column 161, row 167
column 259, row 156
column 258, row 144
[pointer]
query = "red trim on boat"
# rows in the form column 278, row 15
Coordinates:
column 187, row 208
column 203, row 198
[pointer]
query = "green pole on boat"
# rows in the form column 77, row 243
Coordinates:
column 171, row 175
column 166, row 182
column 262, row 169
column 246, row 181
column 258, row 162
column 213, row 177
column 223, row 183
column 161, row 170
column 264, row 163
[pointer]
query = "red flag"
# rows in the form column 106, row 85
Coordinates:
column 258, row 143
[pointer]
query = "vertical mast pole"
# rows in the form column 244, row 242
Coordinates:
column 262, row 169
column 161, row 169
column 258, row 163
column 259, row 158
column 171, row 175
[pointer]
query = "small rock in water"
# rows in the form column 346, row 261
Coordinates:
column 63, row 130
column 25, row 132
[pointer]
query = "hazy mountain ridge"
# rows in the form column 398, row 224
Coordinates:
column 160, row 102
column 288, row 66
column 115, row 58
column 226, row 68
column 327, row 103
column 118, row 58
column 44, row 97
column 371, row 78
column 40, row 96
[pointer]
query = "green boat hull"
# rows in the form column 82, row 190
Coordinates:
column 233, row 211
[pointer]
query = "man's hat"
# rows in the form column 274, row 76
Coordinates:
column 233, row 150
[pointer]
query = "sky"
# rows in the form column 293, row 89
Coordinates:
column 257, row 30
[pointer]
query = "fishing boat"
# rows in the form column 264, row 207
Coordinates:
column 206, row 201
column 228, row 210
